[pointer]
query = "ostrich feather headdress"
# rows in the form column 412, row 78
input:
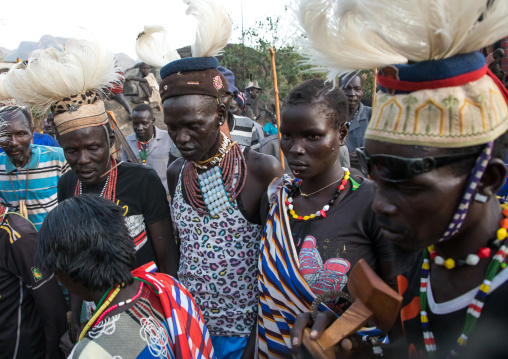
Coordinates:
column 198, row 75
column 152, row 47
column 435, row 87
column 68, row 82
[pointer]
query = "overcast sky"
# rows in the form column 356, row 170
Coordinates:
column 117, row 23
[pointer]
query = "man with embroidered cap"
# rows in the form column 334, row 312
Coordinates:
column 240, row 129
column 435, row 147
column 86, row 138
column 216, row 188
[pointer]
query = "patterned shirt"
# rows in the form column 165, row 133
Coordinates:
column 218, row 265
column 44, row 169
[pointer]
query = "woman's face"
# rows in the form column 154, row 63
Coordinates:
column 309, row 140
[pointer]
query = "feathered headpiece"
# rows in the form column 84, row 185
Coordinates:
column 434, row 88
column 199, row 74
column 152, row 47
column 350, row 35
column 68, row 82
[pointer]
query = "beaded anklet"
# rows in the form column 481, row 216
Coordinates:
column 474, row 310
column 322, row 212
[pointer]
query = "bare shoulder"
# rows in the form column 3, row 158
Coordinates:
column 173, row 172
column 265, row 167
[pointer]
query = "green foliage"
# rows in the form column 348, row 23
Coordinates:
column 253, row 61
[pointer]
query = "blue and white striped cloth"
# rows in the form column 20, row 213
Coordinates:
column 46, row 166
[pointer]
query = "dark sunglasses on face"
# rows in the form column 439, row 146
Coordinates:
column 400, row 169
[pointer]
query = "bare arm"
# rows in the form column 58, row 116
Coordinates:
column 164, row 245
column 51, row 307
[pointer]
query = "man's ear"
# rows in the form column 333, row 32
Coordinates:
column 493, row 178
column 112, row 138
column 343, row 132
column 222, row 114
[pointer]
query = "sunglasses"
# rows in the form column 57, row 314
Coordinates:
column 400, row 169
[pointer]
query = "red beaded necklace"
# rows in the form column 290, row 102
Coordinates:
column 109, row 190
column 232, row 158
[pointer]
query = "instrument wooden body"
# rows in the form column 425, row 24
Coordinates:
column 374, row 300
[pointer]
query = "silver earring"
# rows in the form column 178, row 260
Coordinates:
column 478, row 197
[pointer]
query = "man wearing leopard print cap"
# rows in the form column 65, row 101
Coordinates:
column 86, row 137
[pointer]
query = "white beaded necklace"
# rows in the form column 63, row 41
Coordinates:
column 103, row 189
column 214, row 192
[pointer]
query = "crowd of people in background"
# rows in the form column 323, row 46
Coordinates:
column 218, row 236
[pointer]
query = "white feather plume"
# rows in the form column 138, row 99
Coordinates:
column 153, row 48
column 214, row 27
column 345, row 35
column 52, row 75
column 4, row 94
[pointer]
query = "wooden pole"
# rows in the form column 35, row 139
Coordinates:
column 277, row 110
column 374, row 89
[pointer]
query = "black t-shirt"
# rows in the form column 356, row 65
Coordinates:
column 142, row 196
column 328, row 248
column 24, row 289
column 446, row 320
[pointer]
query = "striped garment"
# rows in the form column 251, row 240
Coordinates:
column 283, row 291
column 163, row 323
column 46, row 166
column 246, row 133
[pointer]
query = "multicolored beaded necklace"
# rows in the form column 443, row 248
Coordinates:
column 109, row 189
column 106, row 300
column 214, row 190
column 143, row 149
column 322, row 212
column 474, row 310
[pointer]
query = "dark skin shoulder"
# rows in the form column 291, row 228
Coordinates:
column 261, row 169
column 172, row 174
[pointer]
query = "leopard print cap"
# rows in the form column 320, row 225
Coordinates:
column 72, row 103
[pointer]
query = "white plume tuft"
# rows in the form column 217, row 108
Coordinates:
column 152, row 47
column 214, row 27
column 52, row 75
column 4, row 94
column 346, row 35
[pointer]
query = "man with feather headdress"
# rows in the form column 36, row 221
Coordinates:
column 86, row 138
column 435, row 147
column 216, row 188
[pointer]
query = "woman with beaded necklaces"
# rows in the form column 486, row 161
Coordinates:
column 320, row 224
